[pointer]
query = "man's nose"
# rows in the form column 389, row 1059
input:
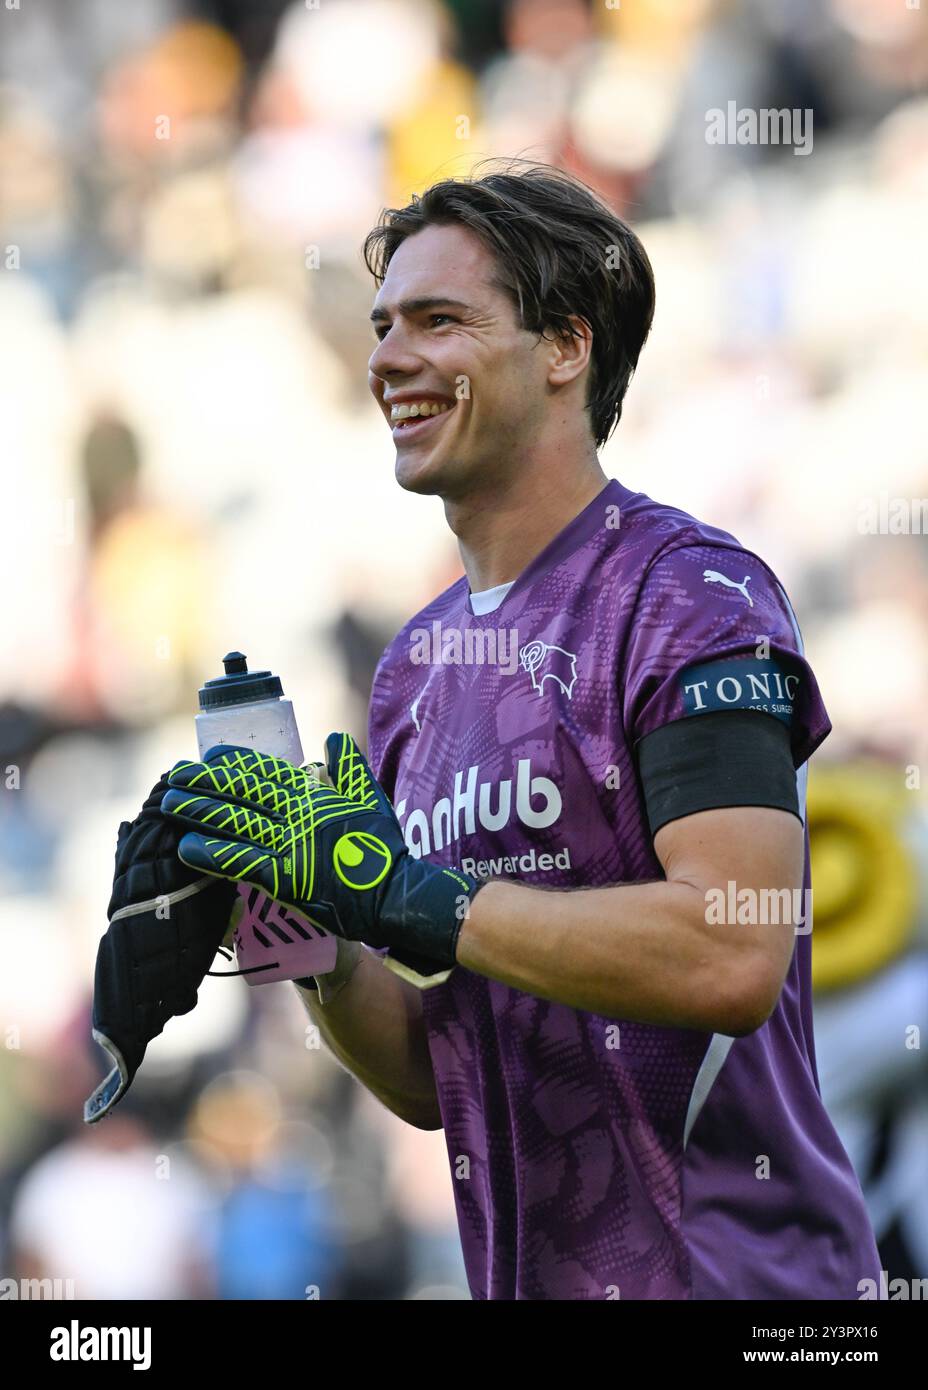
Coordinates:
column 393, row 355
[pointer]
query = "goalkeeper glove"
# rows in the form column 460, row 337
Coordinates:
column 335, row 853
column 165, row 925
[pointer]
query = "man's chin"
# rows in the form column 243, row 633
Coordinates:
column 421, row 475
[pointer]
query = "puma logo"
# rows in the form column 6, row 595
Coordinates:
column 713, row 577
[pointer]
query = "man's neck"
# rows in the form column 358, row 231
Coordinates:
column 499, row 535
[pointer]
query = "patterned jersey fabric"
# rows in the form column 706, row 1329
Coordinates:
column 594, row 1158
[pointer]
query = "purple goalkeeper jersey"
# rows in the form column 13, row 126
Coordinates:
column 593, row 1157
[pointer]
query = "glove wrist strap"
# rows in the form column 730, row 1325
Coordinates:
column 424, row 909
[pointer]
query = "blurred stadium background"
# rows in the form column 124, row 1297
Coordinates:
column 183, row 336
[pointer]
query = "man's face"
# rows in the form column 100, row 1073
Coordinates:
column 462, row 386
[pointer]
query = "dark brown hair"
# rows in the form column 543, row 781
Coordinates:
column 560, row 252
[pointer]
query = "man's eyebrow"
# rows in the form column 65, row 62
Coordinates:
column 416, row 306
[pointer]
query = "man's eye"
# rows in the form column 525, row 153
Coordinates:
column 381, row 331
column 446, row 317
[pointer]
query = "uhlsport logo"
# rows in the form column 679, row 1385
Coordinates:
column 361, row 860
column 545, row 662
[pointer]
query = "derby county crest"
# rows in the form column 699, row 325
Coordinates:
column 544, row 662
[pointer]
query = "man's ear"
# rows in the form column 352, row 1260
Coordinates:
column 569, row 354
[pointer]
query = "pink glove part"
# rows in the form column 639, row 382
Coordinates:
column 274, row 942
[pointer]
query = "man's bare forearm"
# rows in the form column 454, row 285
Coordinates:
column 375, row 1027
column 639, row 952
column 646, row 951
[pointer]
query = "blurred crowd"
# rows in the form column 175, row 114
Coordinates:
column 193, row 465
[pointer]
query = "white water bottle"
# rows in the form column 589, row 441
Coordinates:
column 248, row 709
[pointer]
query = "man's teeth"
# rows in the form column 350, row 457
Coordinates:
column 411, row 410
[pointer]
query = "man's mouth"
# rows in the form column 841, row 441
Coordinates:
column 409, row 419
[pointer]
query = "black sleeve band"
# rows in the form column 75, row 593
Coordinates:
column 708, row 761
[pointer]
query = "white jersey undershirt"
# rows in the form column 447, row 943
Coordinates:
column 488, row 600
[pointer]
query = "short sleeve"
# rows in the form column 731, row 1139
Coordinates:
column 713, row 630
column 378, row 727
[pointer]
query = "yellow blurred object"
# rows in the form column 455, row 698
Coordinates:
column 438, row 137
column 864, row 880
column 148, row 576
column 669, row 28
column 151, row 596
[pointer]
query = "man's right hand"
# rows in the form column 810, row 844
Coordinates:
column 166, row 922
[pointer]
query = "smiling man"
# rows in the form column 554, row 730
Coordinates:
column 617, row 1037
column 624, row 1071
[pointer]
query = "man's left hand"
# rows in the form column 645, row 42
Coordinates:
column 335, row 853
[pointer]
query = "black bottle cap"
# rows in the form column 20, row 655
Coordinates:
column 239, row 686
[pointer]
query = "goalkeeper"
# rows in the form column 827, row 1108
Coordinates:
column 603, row 842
